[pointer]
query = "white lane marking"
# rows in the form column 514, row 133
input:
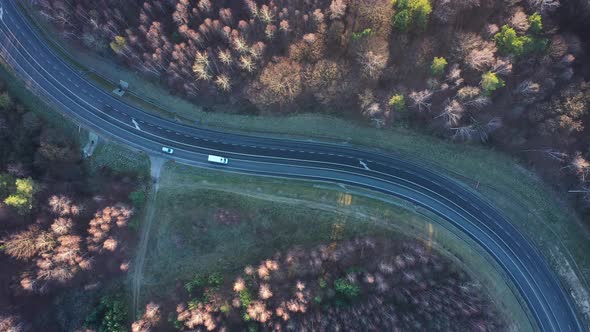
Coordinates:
column 135, row 124
column 1, row 13
column 364, row 165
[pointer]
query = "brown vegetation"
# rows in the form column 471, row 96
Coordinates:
column 58, row 255
column 356, row 285
column 149, row 320
column 52, row 244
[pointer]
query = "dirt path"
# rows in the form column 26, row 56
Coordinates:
column 156, row 167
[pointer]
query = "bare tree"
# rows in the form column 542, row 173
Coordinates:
column 225, row 57
column 447, row 10
column 247, row 63
column 452, row 113
column 337, row 9
column 477, row 130
column 502, row 67
column 519, row 21
column 11, row 324
column 544, row 6
column 478, row 103
column 149, row 320
column 421, row 99
column 551, row 154
column 372, row 64
column 481, row 58
column 22, row 245
column 580, row 166
column 528, row 88
column 223, row 82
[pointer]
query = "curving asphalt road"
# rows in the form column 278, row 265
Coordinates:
column 59, row 84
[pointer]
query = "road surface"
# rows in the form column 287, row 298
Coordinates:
column 54, row 80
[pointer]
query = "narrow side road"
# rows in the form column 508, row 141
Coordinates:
column 136, row 279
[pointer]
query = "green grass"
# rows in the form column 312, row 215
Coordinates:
column 277, row 214
column 120, row 159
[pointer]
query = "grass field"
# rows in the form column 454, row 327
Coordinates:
column 276, row 214
column 120, row 159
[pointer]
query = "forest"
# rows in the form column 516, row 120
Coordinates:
column 61, row 226
column 507, row 73
column 362, row 284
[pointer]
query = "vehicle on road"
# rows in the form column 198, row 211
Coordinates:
column 217, row 159
column 167, row 150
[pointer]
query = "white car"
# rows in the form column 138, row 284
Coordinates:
column 167, row 150
column 217, row 159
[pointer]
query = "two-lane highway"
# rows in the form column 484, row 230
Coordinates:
column 75, row 96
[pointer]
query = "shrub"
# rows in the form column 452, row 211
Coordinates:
column 215, row 280
column 225, row 308
column 490, row 82
column 109, row 316
column 346, row 288
column 536, row 23
column 245, row 297
column 118, row 44
column 198, row 281
column 438, row 66
column 6, row 184
column 411, row 13
column 402, row 20
column 22, row 198
column 510, row 43
column 397, row 102
column 5, row 101
column 362, row 34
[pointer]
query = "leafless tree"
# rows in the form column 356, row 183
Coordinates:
column 448, row 10
column 468, row 92
column 62, row 226
column 11, row 324
column 544, row 6
column 452, row 113
column 223, row 82
column 580, row 166
column 372, row 64
column 528, row 88
column 502, row 67
column 519, row 21
column 247, row 63
column 421, row 99
column 225, row 57
column 481, row 58
column 337, row 9
column 22, row 245
column 149, row 320
column 478, row 103
column 477, row 130
column 551, row 154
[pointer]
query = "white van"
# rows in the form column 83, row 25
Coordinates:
column 217, row 159
column 167, row 150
